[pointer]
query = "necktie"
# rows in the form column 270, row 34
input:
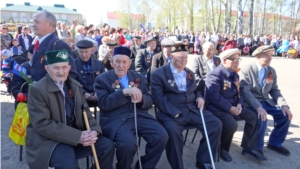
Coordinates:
column 36, row 45
column 261, row 76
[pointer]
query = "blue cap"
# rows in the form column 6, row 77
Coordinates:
column 121, row 50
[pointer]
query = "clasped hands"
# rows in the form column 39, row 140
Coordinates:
column 135, row 94
column 88, row 137
column 236, row 110
column 90, row 96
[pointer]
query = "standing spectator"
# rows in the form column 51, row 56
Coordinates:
column 285, row 46
column 18, row 32
column 6, row 38
column 65, row 34
column 16, row 49
column 215, row 39
column 85, row 30
column 230, row 44
column 91, row 27
column 5, row 59
column 240, row 43
column 296, row 45
column 197, row 43
column 73, row 29
column 103, row 49
column 122, row 38
column 79, row 35
column 25, row 39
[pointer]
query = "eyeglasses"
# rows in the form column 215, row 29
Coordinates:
column 234, row 60
column 4, row 28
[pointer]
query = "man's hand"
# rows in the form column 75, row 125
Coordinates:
column 88, row 96
column 88, row 137
column 95, row 97
column 286, row 111
column 234, row 110
column 262, row 114
column 135, row 94
column 200, row 103
column 239, row 107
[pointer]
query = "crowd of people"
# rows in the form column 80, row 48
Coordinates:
column 124, row 73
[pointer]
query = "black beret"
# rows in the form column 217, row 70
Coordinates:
column 84, row 44
column 150, row 38
column 137, row 37
column 112, row 43
column 179, row 47
column 121, row 50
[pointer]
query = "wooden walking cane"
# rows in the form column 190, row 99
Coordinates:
column 93, row 146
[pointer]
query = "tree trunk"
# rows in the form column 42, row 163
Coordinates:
column 296, row 19
column 219, row 16
column 263, row 18
column 212, row 18
column 227, row 17
column 192, row 15
column 240, row 17
column 279, row 20
column 251, row 18
column 206, row 16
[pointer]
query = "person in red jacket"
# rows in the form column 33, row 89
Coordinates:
column 122, row 38
column 230, row 44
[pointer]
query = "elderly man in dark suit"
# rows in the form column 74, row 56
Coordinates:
column 163, row 57
column 263, row 96
column 44, row 25
column 223, row 98
column 144, row 57
column 87, row 70
column 174, row 92
column 137, row 40
column 118, row 90
column 203, row 64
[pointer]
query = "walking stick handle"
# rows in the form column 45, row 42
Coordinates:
column 93, row 146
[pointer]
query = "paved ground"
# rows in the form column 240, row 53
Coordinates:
column 289, row 83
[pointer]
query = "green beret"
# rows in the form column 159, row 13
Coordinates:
column 57, row 56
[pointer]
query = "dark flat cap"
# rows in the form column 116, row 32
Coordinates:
column 111, row 43
column 150, row 38
column 121, row 50
column 137, row 37
column 167, row 42
column 263, row 49
column 84, row 44
column 179, row 47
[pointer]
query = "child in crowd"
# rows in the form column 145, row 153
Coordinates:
column 5, row 60
column 16, row 49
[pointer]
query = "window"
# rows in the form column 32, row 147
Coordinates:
column 23, row 15
column 64, row 17
column 56, row 16
column 15, row 15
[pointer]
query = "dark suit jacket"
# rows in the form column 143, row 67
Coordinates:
column 169, row 100
column 133, row 55
column 75, row 54
column 158, row 61
column 143, row 62
column 22, row 42
column 199, row 66
column 115, row 107
column 221, row 90
column 254, row 93
column 39, row 59
column 96, row 66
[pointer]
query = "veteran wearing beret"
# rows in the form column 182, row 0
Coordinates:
column 117, row 90
column 224, row 99
column 88, row 68
column 137, row 41
column 163, row 57
column 174, row 92
column 57, row 136
column 263, row 96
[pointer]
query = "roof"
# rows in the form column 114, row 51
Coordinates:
column 114, row 15
column 34, row 8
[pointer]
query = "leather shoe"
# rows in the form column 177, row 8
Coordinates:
column 225, row 156
column 281, row 150
column 261, row 152
column 254, row 153
column 203, row 165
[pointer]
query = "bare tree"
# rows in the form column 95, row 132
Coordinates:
column 251, row 17
column 263, row 18
column 227, row 12
column 219, row 16
column 212, row 18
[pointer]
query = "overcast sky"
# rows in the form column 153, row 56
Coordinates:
column 93, row 11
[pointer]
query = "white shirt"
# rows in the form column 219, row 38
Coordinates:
column 26, row 41
column 209, row 63
column 179, row 77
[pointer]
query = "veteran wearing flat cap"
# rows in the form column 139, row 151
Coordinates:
column 224, row 99
column 57, row 136
column 88, row 68
column 163, row 57
column 137, row 41
column 263, row 96
column 174, row 92
column 144, row 57
column 117, row 90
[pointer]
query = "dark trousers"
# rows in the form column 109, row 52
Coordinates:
column 174, row 147
column 249, row 140
column 281, row 127
column 66, row 156
column 151, row 131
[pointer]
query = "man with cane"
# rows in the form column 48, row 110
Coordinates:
column 57, row 135
column 124, row 100
column 175, row 93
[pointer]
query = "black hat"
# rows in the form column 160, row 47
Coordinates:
column 84, row 44
column 179, row 47
column 112, row 43
column 121, row 50
column 150, row 38
column 137, row 37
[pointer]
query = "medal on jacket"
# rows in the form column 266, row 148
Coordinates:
column 270, row 78
column 171, row 82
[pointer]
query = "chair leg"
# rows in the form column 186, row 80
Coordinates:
column 194, row 135
column 87, row 162
column 140, row 139
column 186, row 134
column 21, row 152
column 219, row 151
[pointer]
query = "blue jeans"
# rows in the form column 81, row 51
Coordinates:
column 280, row 130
